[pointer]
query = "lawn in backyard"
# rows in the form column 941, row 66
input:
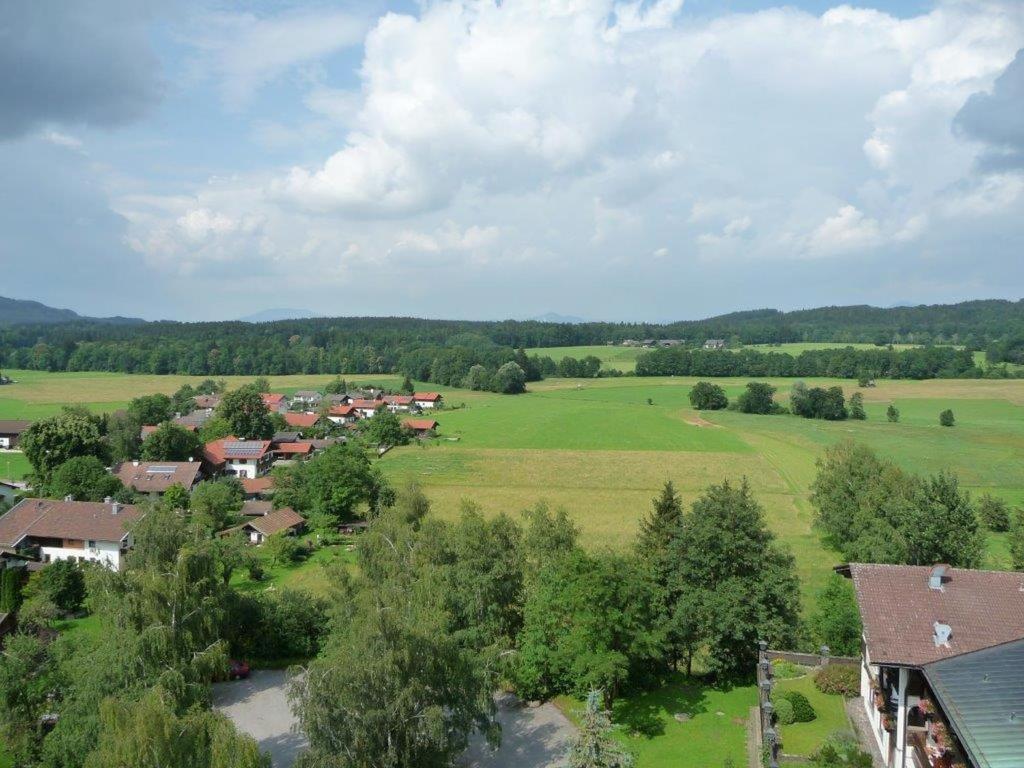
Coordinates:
column 803, row 739
column 309, row 574
column 646, row 723
column 13, row 465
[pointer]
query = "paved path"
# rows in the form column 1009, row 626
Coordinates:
column 259, row 707
column 531, row 737
column 862, row 728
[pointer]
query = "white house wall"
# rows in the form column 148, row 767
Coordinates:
column 105, row 552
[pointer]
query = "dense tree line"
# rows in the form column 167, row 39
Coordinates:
column 873, row 511
column 376, row 345
column 845, row 362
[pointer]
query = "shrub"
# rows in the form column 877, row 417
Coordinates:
column 946, row 418
column 841, row 750
column 784, row 670
column 706, row 396
column 784, row 712
column 892, row 413
column 803, row 712
column 838, row 680
column 994, row 513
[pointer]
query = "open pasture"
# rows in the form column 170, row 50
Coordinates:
column 602, row 448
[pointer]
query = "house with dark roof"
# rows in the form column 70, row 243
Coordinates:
column 942, row 675
column 10, row 432
column 155, row 477
column 265, row 521
column 207, row 402
column 82, row 531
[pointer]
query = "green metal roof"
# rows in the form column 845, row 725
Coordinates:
column 982, row 694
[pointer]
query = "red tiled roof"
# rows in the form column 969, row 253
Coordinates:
column 399, row 399
column 294, row 448
column 257, row 484
column 272, row 399
column 46, row 518
column 148, row 429
column 207, row 401
column 276, row 521
column 420, row 424
column 429, row 396
column 983, row 609
column 341, row 410
column 367, row 405
column 157, row 476
column 301, row 419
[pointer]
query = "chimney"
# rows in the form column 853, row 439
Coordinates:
column 107, row 500
column 190, row 460
column 69, row 497
column 115, row 508
column 938, row 577
column 135, row 463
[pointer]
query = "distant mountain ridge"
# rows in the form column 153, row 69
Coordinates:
column 26, row 312
column 273, row 315
column 554, row 317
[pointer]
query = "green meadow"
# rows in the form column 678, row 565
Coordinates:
column 602, row 448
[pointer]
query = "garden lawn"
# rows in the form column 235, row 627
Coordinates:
column 645, row 723
column 13, row 465
column 805, row 738
column 308, row 575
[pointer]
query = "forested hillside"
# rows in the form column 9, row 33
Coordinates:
column 387, row 344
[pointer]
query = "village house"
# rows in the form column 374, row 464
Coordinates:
column 299, row 450
column 942, row 674
column 302, row 420
column 399, row 403
column 241, row 458
column 427, row 399
column 82, row 531
column 422, row 427
column 10, row 432
column 306, row 398
column 342, row 414
column 714, row 344
column 207, row 402
column 276, row 403
column 194, row 420
column 257, row 487
column 367, row 408
column 155, row 477
column 285, row 520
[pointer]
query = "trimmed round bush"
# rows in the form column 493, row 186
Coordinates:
column 784, row 713
column 803, row 712
column 838, row 680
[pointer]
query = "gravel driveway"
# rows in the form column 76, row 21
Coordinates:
column 531, row 737
column 259, row 706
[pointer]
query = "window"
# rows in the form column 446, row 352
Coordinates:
column 90, row 544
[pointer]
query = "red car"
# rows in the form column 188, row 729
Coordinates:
column 237, row 669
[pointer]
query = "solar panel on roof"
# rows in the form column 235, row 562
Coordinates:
column 162, row 470
column 244, row 448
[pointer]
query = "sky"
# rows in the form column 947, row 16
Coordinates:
column 607, row 159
